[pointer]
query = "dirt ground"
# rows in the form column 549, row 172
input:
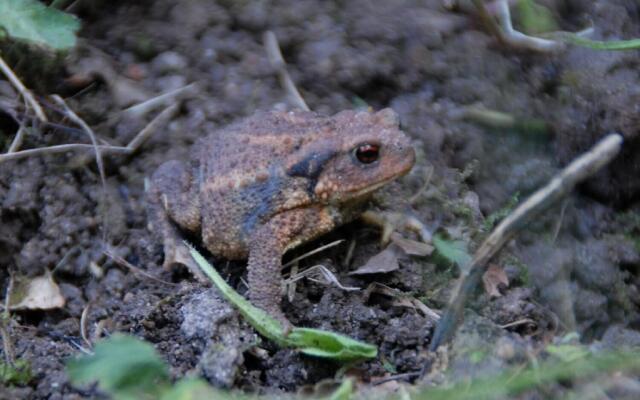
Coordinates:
column 574, row 270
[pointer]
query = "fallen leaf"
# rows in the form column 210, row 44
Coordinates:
column 493, row 278
column 39, row 293
column 411, row 247
column 383, row 262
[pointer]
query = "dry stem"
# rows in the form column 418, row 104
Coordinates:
column 17, row 140
column 560, row 186
column 5, row 322
column 277, row 61
column 26, row 94
column 507, row 35
column 129, row 149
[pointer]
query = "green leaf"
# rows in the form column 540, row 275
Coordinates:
column 309, row 341
column 124, row 366
column 535, row 18
column 500, row 214
column 195, row 389
column 17, row 374
column 343, row 392
column 618, row 45
column 454, row 251
column 515, row 381
column 32, row 21
column 568, row 352
column 260, row 320
column 319, row 343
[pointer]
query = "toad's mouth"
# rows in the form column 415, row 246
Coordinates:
column 360, row 192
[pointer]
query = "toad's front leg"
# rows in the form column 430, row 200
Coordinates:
column 268, row 244
column 172, row 200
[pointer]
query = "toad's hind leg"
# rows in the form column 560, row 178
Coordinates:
column 172, row 196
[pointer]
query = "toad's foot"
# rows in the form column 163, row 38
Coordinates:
column 277, row 314
column 176, row 252
column 390, row 222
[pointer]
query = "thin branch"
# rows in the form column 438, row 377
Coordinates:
column 5, row 325
column 131, row 148
column 83, row 325
column 103, row 177
column 143, row 108
column 277, row 61
column 17, row 140
column 314, row 251
column 63, row 148
column 80, row 122
column 152, row 127
column 506, row 34
column 26, row 94
column 519, row 39
column 560, row 186
column 488, row 21
column 122, row 262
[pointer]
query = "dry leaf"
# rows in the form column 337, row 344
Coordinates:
column 383, row 262
column 493, row 278
column 411, row 247
column 39, row 293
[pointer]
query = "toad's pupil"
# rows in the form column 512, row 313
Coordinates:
column 367, row 153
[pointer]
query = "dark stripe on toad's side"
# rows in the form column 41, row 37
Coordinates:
column 311, row 167
column 263, row 195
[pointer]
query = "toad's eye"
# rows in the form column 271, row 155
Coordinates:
column 367, row 153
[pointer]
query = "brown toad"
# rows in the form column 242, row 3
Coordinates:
column 271, row 182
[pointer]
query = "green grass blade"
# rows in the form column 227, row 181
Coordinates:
column 312, row 342
column 616, row 45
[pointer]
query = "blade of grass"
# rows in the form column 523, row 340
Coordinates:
column 513, row 383
column 616, row 45
column 314, row 342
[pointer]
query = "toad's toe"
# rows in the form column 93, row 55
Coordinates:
column 178, row 253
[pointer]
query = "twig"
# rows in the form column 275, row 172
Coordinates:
column 17, row 140
column 329, row 277
column 83, row 325
column 26, row 94
column 519, row 322
column 103, row 177
column 121, row 261
column 407, row 376
column 62, row 148
column 143, row 108
column 151, row 128
column 277, row 61
column 556, row 230
column 5, row 321
column 314, row 251
column 487, row 20
column 561, row 185
column 519, row 39
column 505, row 34
column 80, row 122
column 425, row 185
column 129, row 149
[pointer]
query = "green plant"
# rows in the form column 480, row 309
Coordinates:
column 314, row 342
column 33, row 22
column 451, row 251
column 17, row 374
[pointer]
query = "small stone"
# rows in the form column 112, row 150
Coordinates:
column 169, row 61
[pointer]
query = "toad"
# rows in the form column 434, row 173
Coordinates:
column 275, row 180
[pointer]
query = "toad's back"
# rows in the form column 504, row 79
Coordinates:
column 242, row 173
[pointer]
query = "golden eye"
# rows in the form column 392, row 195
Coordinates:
column 367, row 153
